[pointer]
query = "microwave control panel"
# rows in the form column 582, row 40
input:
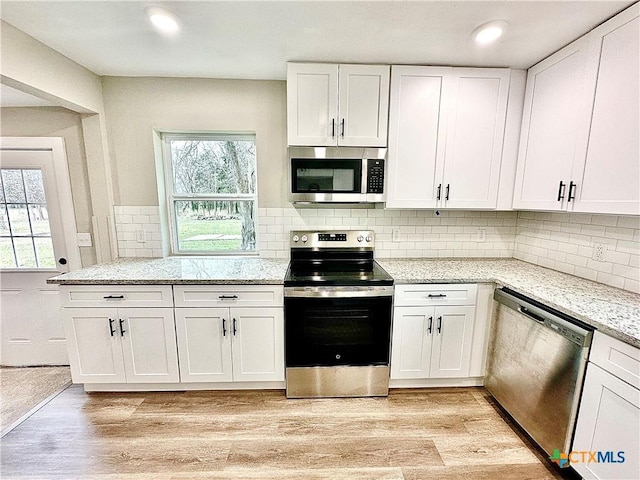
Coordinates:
column 375, row 176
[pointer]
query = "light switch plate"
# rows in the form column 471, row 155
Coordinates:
column 84, row 240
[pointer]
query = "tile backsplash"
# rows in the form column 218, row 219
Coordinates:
column 399, row 233
column 561, row 241
column 566, row 242
column 129, row 222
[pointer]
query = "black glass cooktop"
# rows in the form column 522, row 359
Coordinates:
column 336, row 274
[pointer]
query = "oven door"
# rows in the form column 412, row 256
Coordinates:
column 331, row 327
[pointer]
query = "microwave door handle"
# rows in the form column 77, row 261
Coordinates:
column 364, row 173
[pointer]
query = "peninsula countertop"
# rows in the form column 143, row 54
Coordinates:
column 611, row 310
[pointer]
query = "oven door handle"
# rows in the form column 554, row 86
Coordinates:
column 338, row 292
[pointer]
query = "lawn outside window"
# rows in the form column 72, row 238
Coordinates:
column 210, row 182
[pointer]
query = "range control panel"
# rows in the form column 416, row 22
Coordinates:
column 375, row 176
column 332, row 237
column 338, row 239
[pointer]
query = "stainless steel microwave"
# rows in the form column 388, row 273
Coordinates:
column 336, row 174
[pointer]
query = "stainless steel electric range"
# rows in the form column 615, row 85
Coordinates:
column 338, row 307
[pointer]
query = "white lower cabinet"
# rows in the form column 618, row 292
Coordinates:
column 433, row 331
column 230, row 344
column 121, row 345
column 431, row 342
column 609, row 415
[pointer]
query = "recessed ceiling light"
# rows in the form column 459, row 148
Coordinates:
column 163, row 20
column 489, row 32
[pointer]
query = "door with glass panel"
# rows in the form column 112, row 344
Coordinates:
column 35, row 205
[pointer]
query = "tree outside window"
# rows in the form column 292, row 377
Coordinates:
column 211, row 191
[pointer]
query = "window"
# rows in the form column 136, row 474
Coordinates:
column 25, row 233
column 211, row 193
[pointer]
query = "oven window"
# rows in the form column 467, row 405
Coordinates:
column 337, row 331
column 326, row 176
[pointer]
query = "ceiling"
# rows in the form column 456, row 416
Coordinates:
column 255, row 39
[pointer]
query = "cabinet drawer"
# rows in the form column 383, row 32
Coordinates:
column 116, row 296
column 616, row 357
column 228, row 295
column 434, row 294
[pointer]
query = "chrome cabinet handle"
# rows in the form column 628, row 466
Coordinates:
column 111, row 329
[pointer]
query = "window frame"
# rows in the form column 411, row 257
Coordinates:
column 171, row 197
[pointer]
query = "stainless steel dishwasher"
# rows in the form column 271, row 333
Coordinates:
column 535, row 369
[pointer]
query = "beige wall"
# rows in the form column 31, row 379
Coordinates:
column 58, row 122
column 136, row 106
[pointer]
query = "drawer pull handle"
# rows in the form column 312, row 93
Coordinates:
column 111, row 329
column 439, row 295
column 228, row 297
column 113, row 297
column 439, row 325
column 234, row 327
column 224, row 328
column 430, row 327
column 122, row 330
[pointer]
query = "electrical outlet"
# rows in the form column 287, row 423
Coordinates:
column 141, row 236
column 84, row 239
column 481, row 235
column 395, row 235
column 599, row 252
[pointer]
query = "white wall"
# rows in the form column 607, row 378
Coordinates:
column 136, row 106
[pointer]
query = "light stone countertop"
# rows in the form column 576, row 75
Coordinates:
column 179, row 270
column 611, row 310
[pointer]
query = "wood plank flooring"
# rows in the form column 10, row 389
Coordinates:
column 22, row 388
column 412, row 434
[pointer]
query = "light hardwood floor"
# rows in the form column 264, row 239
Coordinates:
column 412, row 434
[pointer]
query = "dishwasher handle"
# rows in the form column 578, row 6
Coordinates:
column 530, row 314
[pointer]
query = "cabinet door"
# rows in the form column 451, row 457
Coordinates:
column 95, row 353
column 312, row 104
column 475, row 135
column 204, row 344
column 416, row 136
column 258, row 344
column 452, row 340
column 555, row 127
column 608, row 421
column 149, row 345
column 363, row 92
column 411, row 342
column 607, row 178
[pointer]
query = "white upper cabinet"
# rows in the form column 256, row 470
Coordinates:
column 608, row 177
column 416, row 136
column 475, row 132
column 446, row 135
column 337, row 105
column 579, row 141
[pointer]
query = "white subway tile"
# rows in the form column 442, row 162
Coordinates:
column 620, row 233
column 626, row 272
column 632, row 285
column 606, row 220
column 612, row 280
column 599, row 266
column 629, row 222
